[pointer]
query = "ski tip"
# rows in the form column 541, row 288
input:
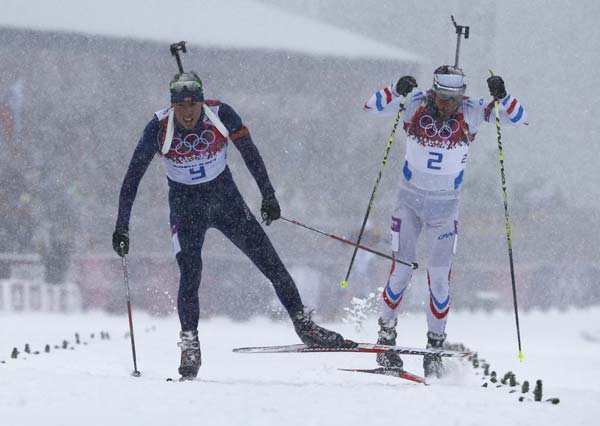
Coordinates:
column 388, row 371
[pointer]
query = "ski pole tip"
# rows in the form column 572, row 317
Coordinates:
column 136, row 373
column 344, row 284
column 521, row 356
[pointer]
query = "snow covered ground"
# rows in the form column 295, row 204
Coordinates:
column 91, row 384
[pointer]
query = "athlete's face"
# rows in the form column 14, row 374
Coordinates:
column 187, row 113
column 447, row 105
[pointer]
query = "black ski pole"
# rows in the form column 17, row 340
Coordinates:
column 507, row 224
column 460, row 31
column 413, row 265
column 136, row 372
column 344, row 283
column 175, row 49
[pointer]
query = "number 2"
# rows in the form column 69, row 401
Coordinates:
column 437, row 159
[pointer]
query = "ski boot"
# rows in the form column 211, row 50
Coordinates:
column 313, row 335
column 387, row 336
column 190, row 355
column 432, row 363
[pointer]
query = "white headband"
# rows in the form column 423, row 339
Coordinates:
column 449, row 81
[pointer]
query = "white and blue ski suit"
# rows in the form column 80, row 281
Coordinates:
column 428, row 197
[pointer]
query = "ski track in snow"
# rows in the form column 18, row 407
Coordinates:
column 92, row 383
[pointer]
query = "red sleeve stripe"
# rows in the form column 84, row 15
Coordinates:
column 240, row 133
column 388, row 95
column 512, row 106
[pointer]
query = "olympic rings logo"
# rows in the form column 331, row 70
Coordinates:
column 446, row 131
column 194, row 142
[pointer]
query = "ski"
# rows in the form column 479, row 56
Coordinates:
column 355, row 347
column 388, row 371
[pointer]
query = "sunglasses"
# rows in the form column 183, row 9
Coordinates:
column 188, row 86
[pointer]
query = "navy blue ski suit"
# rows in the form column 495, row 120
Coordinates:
column 203, row 195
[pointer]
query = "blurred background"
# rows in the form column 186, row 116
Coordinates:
column 79, row 81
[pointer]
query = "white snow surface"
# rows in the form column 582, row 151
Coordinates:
column 215, row 23
column 91, row 383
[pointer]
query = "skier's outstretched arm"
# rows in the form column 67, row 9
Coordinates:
column 140, row 160
column 387, row 100
column 383, row 102
column 511, row 112
column 240, row 136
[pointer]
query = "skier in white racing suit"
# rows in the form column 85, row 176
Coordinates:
column 440, row 124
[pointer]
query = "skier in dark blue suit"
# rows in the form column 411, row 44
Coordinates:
column 191, row 138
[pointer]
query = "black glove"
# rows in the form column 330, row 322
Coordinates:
column 120, row 242
column 270, row 209
column 496, row 86
column 405, row 85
